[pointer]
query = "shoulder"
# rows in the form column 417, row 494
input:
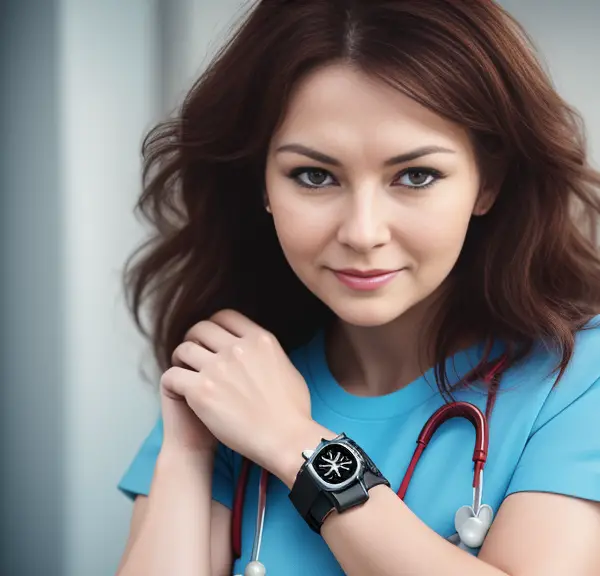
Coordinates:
column 578, row 386
column 582, row 375
column 586, row 355
column 583, row 369
column 558, row 441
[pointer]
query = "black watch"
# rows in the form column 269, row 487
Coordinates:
column 337, row 475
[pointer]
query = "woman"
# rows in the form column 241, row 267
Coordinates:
column 365, row 210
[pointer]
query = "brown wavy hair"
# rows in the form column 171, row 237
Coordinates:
column 529, row 270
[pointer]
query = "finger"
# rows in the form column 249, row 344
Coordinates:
column 189, row 354
column 178, row 381
column 212, row 336
column 235, row 322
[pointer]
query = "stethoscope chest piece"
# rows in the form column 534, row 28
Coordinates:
column 255, row 568
column 472, row 527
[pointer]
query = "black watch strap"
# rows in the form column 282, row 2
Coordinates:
column 357, row 493
column 314, row 503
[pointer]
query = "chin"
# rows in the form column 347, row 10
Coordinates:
column 367, row 315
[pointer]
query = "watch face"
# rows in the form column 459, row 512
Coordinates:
column 335, row 464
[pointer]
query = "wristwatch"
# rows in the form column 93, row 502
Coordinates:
column 337, row 475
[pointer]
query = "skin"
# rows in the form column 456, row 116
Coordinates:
column 365, row 214
column 231, row 380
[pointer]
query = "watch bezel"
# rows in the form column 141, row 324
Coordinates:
column 340, row 486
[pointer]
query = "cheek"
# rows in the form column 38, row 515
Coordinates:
column 301, row 233
column 434, row 239
column 440, row 236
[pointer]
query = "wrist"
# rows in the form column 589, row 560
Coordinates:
column 289, row 457
column 177, row 457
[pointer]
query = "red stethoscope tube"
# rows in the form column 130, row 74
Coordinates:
column 451, row 410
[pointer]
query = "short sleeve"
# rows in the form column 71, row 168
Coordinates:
column 138, row 476
column 562, row 454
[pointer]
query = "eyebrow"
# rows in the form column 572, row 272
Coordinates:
column 400, row 159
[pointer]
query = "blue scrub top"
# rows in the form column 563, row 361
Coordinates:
column 542, row 439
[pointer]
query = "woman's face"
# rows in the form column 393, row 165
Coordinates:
column 371, row 195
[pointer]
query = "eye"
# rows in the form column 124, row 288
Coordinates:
column 414, row 178
column 314, row 177
column 420, row 177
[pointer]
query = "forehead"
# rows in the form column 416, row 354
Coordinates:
column 340, row 103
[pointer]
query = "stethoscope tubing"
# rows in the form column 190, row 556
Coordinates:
column 260, row 516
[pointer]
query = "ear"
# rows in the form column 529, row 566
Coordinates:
column 485, row 201
column 266, row 201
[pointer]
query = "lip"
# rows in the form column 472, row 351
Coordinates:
column 365, row 280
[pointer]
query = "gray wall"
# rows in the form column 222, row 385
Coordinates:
column 32, row 314
column 567, row 34
column 80, row 83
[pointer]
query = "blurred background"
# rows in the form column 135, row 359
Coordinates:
column 81, row 82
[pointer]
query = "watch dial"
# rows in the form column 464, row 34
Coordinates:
column 335, row 464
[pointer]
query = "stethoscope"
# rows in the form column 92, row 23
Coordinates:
column 471, row 522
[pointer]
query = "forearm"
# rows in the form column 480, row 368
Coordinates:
column 175, row 535
column 382, row 537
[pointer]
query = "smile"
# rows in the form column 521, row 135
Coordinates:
column 367, row 280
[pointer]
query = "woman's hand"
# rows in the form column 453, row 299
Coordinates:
column 242, row 386
column 182, row 430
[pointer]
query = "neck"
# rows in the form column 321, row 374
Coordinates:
column 373, row 361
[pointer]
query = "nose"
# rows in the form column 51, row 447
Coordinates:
column 364, row 222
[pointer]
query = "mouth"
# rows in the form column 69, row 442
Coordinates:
column 365, row 280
